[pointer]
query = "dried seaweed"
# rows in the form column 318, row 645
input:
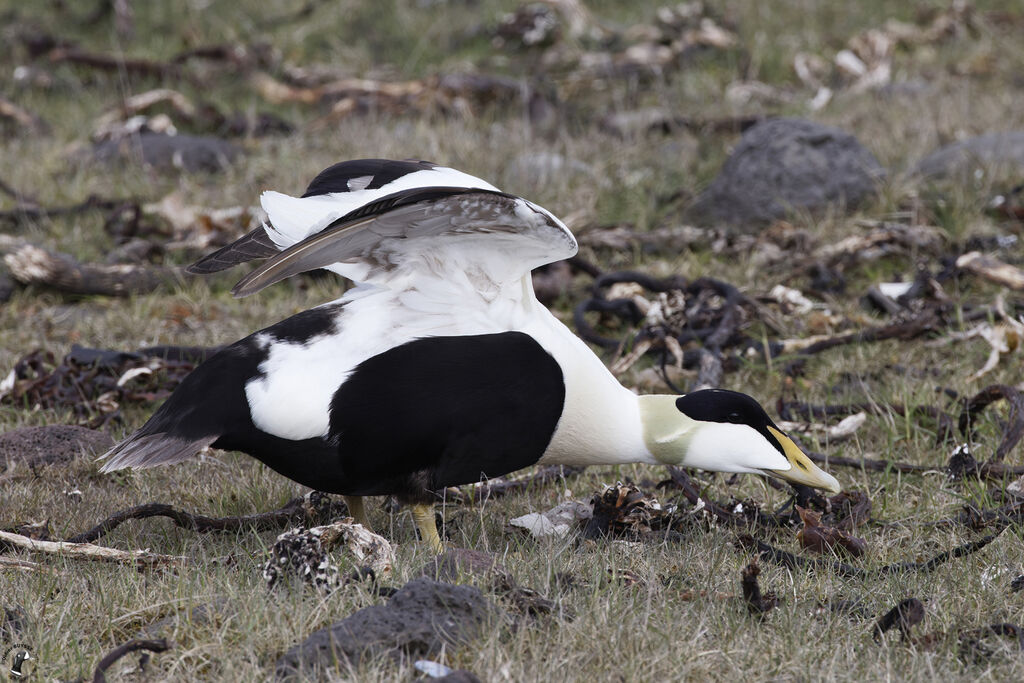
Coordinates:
column 757, row 603
column 93, row 384
column 904, row 616
column 108, row 660
column 823, row 538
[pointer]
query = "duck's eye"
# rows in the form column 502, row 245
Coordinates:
column 734, row 418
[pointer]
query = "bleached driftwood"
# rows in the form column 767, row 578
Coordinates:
column 88, row 551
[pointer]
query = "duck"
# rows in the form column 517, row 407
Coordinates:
column 438, row 367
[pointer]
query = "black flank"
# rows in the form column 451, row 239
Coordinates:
column 445, row 411
column 335, row 178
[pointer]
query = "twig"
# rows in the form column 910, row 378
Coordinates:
column 160, row 645
column 910, row 329
column 142, row 67
column 304, row 509
column 87, row 551
column 992, row 269
column 870, row 464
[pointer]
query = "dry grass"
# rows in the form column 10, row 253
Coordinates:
column 648, row 631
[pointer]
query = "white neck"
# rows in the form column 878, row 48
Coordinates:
column 600, row 423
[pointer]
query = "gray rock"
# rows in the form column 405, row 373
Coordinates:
column 966, row 156
column 188, row 153
column 51, row 444
column 785, row 164
column 419, row 620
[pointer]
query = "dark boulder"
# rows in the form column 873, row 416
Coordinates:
column 420, row 620
column 782, row 165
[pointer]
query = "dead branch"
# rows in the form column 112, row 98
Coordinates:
column 927, row 322
column 870, row 464
column 87, row 551
column 160, row 645
column 31, row 264
column 116, row 63
column 992, row 269
column 304, row 510
column 23, row 117
column 32, row 211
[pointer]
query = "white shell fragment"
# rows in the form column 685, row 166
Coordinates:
column 894, row 290
column 432, row 669
column 557, row 522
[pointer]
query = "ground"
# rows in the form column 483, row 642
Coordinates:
column 683, row 618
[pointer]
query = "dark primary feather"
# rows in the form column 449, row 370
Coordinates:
column 249, row 247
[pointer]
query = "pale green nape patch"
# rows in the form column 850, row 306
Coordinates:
column 667, row 430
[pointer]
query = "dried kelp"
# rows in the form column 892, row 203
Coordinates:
column 93, row 383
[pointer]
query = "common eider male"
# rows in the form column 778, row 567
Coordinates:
column 440, row 367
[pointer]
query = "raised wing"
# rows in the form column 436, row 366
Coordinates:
column 483, row 236
column 344, row 191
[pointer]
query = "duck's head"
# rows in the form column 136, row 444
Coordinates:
column 725, row 431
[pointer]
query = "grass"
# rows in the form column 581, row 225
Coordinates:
column 645, row 631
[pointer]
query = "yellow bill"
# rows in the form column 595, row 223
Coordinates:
column 802, row 470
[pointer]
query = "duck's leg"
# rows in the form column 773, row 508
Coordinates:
column 423, row 515
column 358, row 512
